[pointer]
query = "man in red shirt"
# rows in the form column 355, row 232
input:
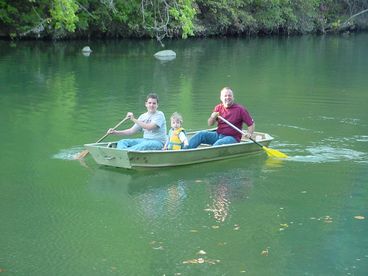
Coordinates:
column 225, row 134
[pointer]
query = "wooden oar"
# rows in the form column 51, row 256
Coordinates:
column 270, row 152
column 85, row 152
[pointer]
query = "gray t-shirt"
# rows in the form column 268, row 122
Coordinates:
column 158, row 118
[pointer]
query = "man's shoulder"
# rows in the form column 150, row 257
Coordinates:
column 237, row 106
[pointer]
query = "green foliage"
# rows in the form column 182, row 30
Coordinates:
column 174, row 18
column 184, row 14
column 226, row 16
column 63, row 14
column 7, row 13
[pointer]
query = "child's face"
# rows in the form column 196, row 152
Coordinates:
column 175, row 123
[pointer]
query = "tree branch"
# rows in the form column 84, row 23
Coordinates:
column 351, row 17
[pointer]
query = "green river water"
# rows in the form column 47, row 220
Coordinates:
column 306, row 215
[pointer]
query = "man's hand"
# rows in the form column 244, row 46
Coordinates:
column 214, row 115
column 111, row 131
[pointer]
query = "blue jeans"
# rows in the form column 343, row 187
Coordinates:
column 211, row 138
column 140, row 144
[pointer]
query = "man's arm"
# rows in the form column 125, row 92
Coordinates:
column 212, row 119
column 250, row 130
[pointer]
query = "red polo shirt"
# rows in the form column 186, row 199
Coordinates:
column 235, row 114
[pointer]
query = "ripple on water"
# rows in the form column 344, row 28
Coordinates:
column 68, row 154
column 325, row 154
column 361, row 138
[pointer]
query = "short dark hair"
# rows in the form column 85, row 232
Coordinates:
column 152, row 96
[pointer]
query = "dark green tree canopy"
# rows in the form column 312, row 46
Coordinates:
column 64, row 19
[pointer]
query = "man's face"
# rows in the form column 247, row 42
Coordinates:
column 227, row 98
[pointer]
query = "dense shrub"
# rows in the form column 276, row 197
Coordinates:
column 60, row 19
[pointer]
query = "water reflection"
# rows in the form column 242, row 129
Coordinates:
column 226, row 187
column 220, row 204
column 158, row 195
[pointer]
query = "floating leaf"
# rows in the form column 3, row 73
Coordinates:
column 327, row 219
column 212, row 261
column 193, row 261
column 265, row 252
column 201, row 261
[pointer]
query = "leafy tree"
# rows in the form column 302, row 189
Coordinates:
column 159, row 19
column 63, row 14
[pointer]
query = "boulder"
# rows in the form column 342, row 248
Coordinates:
column 86, row 49
column 165, row 55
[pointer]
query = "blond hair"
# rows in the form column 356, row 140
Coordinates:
column 177, row 116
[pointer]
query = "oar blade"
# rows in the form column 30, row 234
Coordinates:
column 274, row 153
column 81, row 155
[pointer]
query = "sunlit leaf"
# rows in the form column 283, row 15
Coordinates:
column 265, row 252
column 201, row 261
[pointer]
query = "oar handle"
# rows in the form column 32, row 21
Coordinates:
column 236, row 128
column 115, row 127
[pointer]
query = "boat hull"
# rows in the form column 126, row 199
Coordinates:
column 113, row 157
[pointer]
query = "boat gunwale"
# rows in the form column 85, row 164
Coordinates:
column 206, row 148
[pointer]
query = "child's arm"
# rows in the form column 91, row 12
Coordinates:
column 183, row 138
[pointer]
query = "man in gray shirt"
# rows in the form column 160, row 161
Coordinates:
column 153, row 125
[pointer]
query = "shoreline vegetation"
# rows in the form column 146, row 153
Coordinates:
column 160, row 19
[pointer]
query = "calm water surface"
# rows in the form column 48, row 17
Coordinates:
column 307, row 215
